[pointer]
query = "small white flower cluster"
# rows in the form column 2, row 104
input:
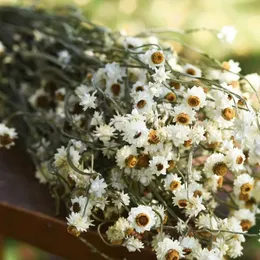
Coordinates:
column 168, row 149
column 7, row 136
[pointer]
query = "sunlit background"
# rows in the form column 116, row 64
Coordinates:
column 134, row 16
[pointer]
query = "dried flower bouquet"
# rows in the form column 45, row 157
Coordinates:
column 160, row 144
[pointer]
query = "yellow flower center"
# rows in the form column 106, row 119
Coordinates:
column 59, row 96
column 141, row 103
column 172, row 254
column 175, row 85
column 213, row 145
column 183, row 119
column 187, row 143
column 197, row 193
column 73, row 231
column 225, row 65
column 143, row 160
column 244, row 196
column 117, row 242
column 159, row 166
column 115, row 88
column 220, row 169
column 235, row 83
column 76, row 207
column 175, row 185
column 228, row 113
column 220, row 181
column 171, row 97
column 245, row 224
column 191, row 71
column 171, row 165
column 193, row 101
column 139, row 88
column 183, row 203
column 250, row 203
column 246, row 188
column 5, row 139
column 241, row 102
column 142, row 219
column 42, row 101
column 157, row 57
column 131, row 161
column 187, row 251
column 239, row 160
column 153, row 138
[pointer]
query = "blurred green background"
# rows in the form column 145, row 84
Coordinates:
column 134, row 16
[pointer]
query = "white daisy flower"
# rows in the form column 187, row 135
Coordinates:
column 114, row 72
column 155, row 89
column 97, row 119
column 160, row 215
column 215, row 164
column 178, row 134
column 183, row 115
column 7, row 136
column 172, row 182
column 132, row 42
column 2, row 48
column 227, row 34
column 251, row 81
column 42, row 173
column 195, row 206
column 181, row 198
column 126, row 156
column 235, row 159
column 133, row 244
column 195, row 97
column 169, row 249
column 81, row 205
column 39, row 99
column 197, row 134
column 235, row 249
column 190, row 246
column 121, row 200
column 153, row 58
column 243, row 184
column 98, row 187
column 138, row 87
column 143, row 102
column 207, row 222
column 115, row 90
column 141, row 218
column 181, row 226
column 88, row 101
column 192, row 70
column 145, row 176
column 213, row 254
column 232, row 68
column 136, row 133
column 81, row 223
column 160, row 75
column 64, row 57
column 158, row 165
column 104, row 132
column 116, row 180
column 254, row 152
column 246, row 217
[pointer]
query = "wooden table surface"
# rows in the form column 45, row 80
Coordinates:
column 27, row 214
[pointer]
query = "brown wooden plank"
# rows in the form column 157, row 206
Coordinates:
column 18, row 185
column 50, row 234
